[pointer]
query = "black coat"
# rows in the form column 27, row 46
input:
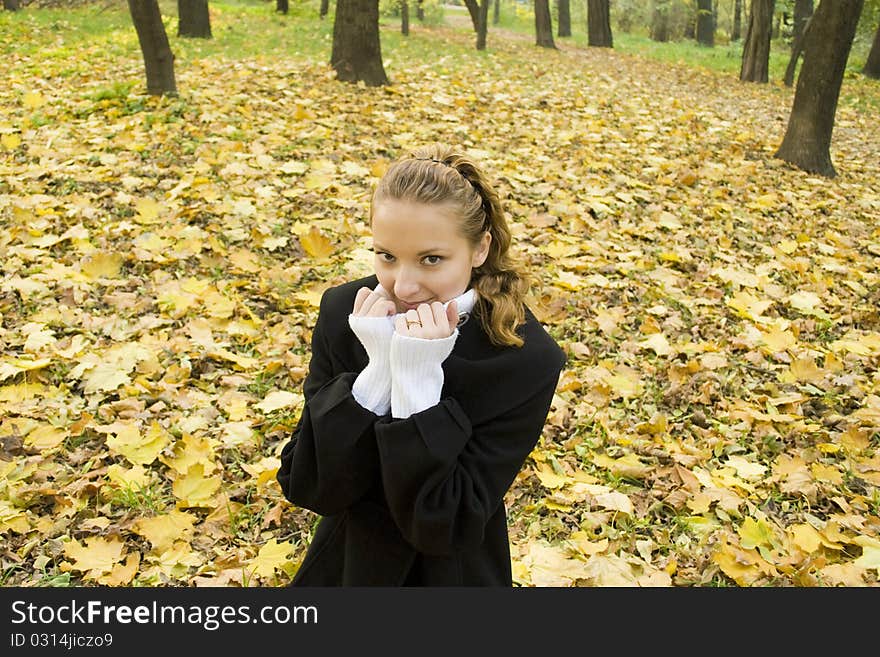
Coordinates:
column 417, row 501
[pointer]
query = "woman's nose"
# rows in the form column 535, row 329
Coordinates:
column 405, row 285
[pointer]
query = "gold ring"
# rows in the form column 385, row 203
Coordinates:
column 409, row 323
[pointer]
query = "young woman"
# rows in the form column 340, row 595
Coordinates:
column 428, row 387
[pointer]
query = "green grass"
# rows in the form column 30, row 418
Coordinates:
column 48, row 34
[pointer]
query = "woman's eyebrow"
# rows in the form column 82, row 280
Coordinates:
column 431, row 251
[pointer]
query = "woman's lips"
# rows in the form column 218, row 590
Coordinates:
column 412, row 306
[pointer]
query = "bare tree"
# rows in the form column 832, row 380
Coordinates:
column 11, row 5
column 737, row 20
column 543, row 25
column 599, row 24
column 282, row 6
column 404, row 17
column 803, row 10
column 756, row 50
column 829, row 39
column 660, row 21
column 158, row 58
column 193, row 19
column 705, row 23
column 479, row 13
column 872, row 64
column 563, row 13
column 357, row 51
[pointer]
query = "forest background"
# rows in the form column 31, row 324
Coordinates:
column 718, row 420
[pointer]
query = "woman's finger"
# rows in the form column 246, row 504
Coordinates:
column 452, row 315
column 360, row 298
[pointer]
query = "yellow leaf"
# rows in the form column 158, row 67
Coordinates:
column 273, row 555
column 245, row 259
column 106, row 376
column 10, row 141
column 96, row 557
column 102, row 265
column 33, row 99
column 316, row 245
column 870, row 558
column 164, row 529
column 46, row 437
column 805, row 369
column 147, row 210
column 188, row 451
column 746, row 469
column 310, row 298
column 176, row 561
column 195, row 489
column 805, row 537
column 804, row 301
column 134, row 477
column 16, row 366
column 778, row 339
column 549, row 479
column 626, row 382
column 122, row 574
column 748, row 305
column 22, row 391
column 582, row 541
column 658, row 343
column 615, row 501
column 38, row 336
column 568, row 281
column 244, row 362
column 754, row 533
column 278, row 399
column 13, row 519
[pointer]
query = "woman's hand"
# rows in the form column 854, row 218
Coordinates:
column 373, row 303
column 428, row 321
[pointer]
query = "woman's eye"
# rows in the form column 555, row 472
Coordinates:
column 385, row 257
column 432, row 260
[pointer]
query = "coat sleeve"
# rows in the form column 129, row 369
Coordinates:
column 331, row 458
column 444, row 478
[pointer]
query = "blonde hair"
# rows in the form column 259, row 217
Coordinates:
column 440, row 174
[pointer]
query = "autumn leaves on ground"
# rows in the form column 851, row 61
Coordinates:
column 718, row 421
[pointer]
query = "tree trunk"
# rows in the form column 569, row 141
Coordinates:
column 496, row 12
column 735, row 32
column 282, row 6
column 158, row 58
column 796, row 49
column 660, row 21
column 599, row 24
column 420, row 11
column 872, row 64
column 756, row 50
column 828, row 41
column 479, row 19
column 325, row 8
column 563, row 12
column 404, row 18
column 705, row 23
column 803, row 9
column 11, row 5
column 193, row 19
column 357, row 51
column 543, row 24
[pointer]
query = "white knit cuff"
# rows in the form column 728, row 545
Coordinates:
column 372, row 387
column 417, row 372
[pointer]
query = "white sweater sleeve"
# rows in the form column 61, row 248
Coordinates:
column 417, row 372
column 372, row 387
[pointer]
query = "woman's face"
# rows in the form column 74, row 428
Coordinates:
column 420, row 256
